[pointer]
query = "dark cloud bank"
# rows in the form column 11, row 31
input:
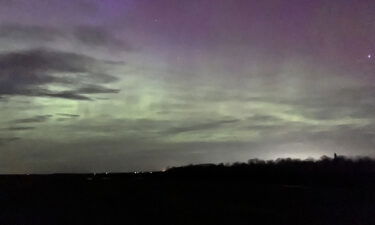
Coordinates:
column 28, row 72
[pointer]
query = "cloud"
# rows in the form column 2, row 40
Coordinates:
column 262, row 118
column 13, row 31
column 199, row 126
column 96, row 89
column 34, row 119
column 90, row 36
column 68, row 115
column 72, row 95
column 354, row 138
column 19, row 128
column 96, row 36
column 148, row 129
column 29, row 72
column 348, row 102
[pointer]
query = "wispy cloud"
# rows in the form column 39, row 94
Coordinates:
column 89, row 36
column 96, row 36
column 34, row 119
column 68, row 115
column 200, row 126
column 19, row 128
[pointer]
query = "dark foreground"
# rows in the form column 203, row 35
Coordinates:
column 178, row 198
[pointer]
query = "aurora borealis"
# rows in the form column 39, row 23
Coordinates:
column 93, row 86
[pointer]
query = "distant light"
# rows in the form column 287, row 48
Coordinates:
column 369, row 56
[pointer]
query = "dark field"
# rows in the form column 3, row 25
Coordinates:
column 194, row 195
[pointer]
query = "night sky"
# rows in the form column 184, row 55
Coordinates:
column 126, row 85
